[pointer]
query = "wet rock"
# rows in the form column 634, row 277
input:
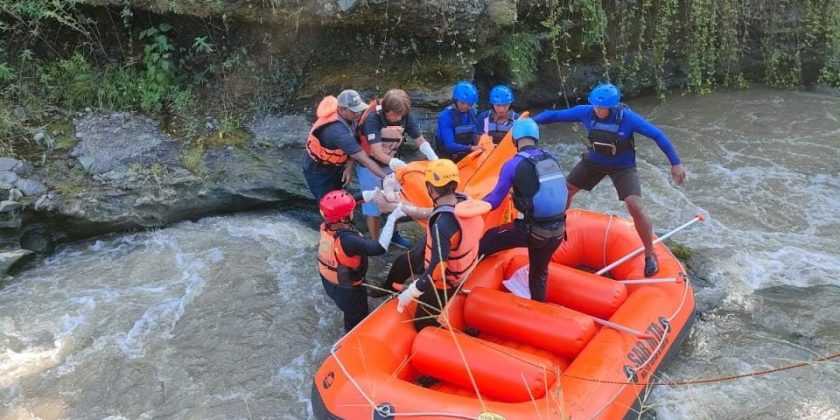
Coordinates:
column 8, row 178
column 30, row 187
column 37, row 238
column 149, row 186
column 9, row 164
column 15, row 194
column 109, row 141
column 8, row 206
column 12, row 258
column 279, row 130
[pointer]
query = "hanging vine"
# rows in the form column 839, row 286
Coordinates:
column 830, row 71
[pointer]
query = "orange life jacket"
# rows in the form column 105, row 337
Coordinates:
column 327, row 113
column 334, row 264
column 463, row 251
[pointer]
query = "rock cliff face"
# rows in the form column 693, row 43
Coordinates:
column 124, row 173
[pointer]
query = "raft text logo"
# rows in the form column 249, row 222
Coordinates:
column 648, row 349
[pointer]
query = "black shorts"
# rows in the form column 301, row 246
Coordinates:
column 586, row 175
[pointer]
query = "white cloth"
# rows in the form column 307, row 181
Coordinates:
column 518, row 283
column 395, row 164
column 388, row 229
column 410, row 293
column 427, row 150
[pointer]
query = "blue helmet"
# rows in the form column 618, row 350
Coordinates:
column 605, row 95
column 525, row 127
column 465, row 92
column 501, row 95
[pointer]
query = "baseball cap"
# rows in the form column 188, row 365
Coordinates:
column 351, row 100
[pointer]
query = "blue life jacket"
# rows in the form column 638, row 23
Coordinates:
column 549, row 203
column 604, row 137
column 465, row 132
column 498, row 130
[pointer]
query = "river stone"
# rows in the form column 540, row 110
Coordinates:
column 15, row 194
column 8, row 177
column 279, row 130
column 9, row 164
column 11, row 258
column 109, row 141
column 30, row 187
column 8, row 205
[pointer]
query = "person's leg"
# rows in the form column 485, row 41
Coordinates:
column 407, row 264
column 367, row 182
column 629, row 189
column 500, row 238
column 540, row 251
column 584, row 176
column 426, row 316
column 571, row 194
column 356, row 306
column 352, row 301
column 321, row 179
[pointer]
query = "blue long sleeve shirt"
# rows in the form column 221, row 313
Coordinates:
column 502, row 188
column 630, row 123
column 523, row 178
column 450, row 118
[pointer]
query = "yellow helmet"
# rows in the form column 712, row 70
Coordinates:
column 441, row 172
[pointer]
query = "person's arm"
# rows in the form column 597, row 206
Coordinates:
column 377, row 152
column 575, row 114
column 446, row 134
column 373, row 131
column 500, row 191
column 444, row 227
column 355, row 245
column 349, row 144
column 347, row 175
column 369, row 163
column 643, row 127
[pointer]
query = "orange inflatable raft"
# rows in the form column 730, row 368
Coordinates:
column 585, row 353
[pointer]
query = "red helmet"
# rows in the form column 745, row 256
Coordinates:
column 337, row 205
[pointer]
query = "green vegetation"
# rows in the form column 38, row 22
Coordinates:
column 707, row 39
column 54, row 58
column 521, row 53
column 682, row 252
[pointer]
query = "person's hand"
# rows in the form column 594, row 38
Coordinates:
column 410, row 293
column 395, row 164
column 678, row 174
column 382, row 202
column 347, row 175
column 476, row 147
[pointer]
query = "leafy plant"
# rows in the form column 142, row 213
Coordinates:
column 159, row 73
column 70, row 82
column 521, row 53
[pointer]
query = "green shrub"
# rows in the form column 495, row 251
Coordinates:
column 70, row 82
column 159, row 72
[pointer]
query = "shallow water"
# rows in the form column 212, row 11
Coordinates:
column 225, row 317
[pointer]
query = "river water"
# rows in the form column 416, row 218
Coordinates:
column 224, row 318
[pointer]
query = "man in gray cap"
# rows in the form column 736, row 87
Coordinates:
column 332, row 144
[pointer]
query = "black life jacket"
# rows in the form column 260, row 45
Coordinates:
column 604, row 137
